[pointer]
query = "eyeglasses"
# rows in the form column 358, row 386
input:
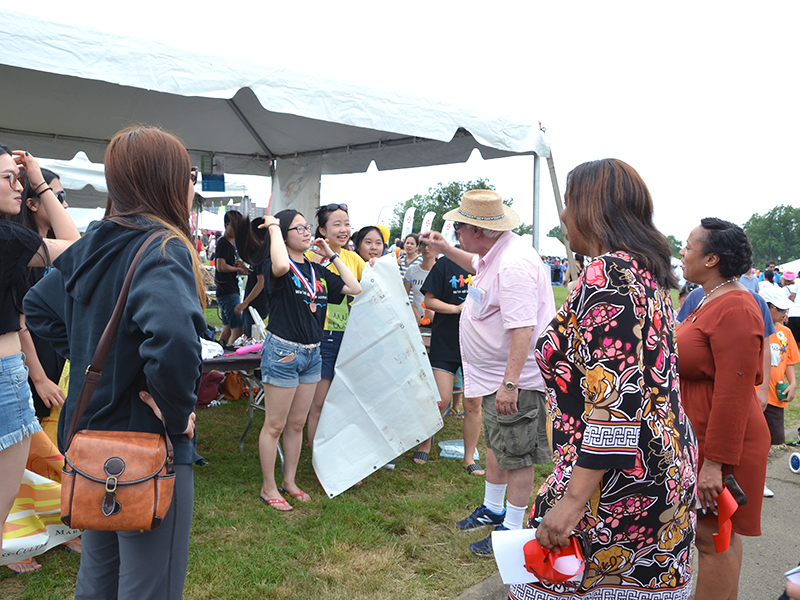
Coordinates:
column 193, row 175
column 333, row 207
column 13, row 178
column 302, row 228
column 457, row 226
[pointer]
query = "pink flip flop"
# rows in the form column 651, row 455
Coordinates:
column 300, row 496
column 275, row 503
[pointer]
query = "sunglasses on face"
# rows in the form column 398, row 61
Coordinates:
column 62, row 196
column 13, row 178
column 302, row 228
column 193, row 175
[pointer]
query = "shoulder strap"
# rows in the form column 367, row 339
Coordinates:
column 95, row 369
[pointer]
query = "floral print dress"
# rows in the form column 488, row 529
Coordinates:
column 613, row 400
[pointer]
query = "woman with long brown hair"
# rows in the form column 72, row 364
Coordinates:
column 624, row 451
column 154, row 363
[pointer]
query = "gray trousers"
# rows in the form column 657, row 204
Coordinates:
column 150, row 565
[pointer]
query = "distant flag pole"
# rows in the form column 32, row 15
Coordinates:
column 385, row 216
column 449, row 233
column 427, row 222
column 408, row 222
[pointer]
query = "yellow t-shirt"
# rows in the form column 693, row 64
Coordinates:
column 337, row 314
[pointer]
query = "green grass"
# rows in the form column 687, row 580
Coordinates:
column 391, row 537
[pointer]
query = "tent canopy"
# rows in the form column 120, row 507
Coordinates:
column 74, row 89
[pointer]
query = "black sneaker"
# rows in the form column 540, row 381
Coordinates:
column 482, row 517
column 484, row 547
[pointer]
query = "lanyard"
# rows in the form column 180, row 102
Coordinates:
column 311, row 287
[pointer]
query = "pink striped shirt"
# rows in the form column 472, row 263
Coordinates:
column 516, row 293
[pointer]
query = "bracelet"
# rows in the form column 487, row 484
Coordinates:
column 40, row 185
column 44, row 190
column 334, row 257
column 271, row 224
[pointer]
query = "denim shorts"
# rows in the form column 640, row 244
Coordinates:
column 226, row 305
column 17, row 417
column 520, row 439
column 287, row 364
column 329, row 348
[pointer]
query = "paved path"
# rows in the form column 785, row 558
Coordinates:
column 766, row 558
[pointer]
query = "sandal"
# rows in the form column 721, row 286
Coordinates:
column 420, row 457
column 275, row 503
column 475, row 469
column 24, row 566
column 300, row 496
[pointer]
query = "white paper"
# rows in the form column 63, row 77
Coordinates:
column 510, row 557
column 383, row 399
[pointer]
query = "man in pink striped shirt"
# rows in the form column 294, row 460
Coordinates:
column 509, row 304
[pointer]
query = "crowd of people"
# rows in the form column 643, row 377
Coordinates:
column 642, row 442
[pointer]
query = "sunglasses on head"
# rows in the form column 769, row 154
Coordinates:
column 333, row 207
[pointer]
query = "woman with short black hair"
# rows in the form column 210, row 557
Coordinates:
column 722, row 345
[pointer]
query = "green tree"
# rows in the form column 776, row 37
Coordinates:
column 775, row 235
column 441, row 199
column 556, row 232
column 676, row 245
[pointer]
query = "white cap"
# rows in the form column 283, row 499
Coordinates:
column 777, row 297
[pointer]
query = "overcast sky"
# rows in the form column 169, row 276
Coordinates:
column 700, row 97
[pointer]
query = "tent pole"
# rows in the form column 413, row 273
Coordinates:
column 560, row 206
column 536, row 178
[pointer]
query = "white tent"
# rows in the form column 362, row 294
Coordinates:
column 72, row 90
column 85, row 183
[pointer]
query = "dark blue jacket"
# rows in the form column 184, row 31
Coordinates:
column 157, row 346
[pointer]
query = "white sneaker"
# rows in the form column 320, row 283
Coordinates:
column 768, row 493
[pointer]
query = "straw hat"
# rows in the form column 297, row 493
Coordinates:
column 485, row 209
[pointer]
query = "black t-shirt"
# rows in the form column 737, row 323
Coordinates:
column 227, row 283
column 260, row 301
column 290, row 315
column 18, row 244
column 447, row 282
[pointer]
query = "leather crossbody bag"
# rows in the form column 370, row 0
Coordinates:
column 115, row 480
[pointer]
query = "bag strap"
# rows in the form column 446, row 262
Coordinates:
column 95, row 368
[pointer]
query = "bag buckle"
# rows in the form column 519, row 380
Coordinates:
column 113, row 468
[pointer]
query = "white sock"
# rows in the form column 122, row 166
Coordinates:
column 494, row 497
column 514, row 516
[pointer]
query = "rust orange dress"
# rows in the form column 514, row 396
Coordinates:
column 720, row 349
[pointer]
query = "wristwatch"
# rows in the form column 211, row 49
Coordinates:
column 510, row 386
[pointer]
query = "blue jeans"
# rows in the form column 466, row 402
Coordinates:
column 226, row 306
column 17, row 416
column 287, row 364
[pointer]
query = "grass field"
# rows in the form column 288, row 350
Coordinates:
column 391, row 537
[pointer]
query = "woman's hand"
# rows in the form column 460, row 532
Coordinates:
column 50, row 393
column 239, row 308
column 559, row 523
column 372, row 261
column 709, row 485
column 322, row 248
column 269, row 220
column 27, row 163
column 148, row 399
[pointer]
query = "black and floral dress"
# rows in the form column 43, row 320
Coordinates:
column 611, row 369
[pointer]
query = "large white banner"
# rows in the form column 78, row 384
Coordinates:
column 427, row 222
column 383, row 399
column 296, row 185
column 408, row 222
